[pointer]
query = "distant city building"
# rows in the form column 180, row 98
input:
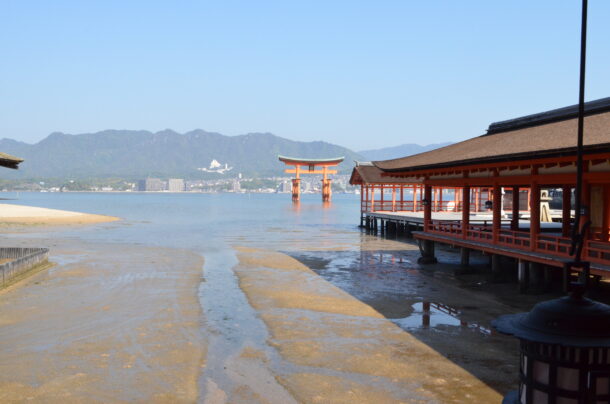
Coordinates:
column 286, row 186
column 236, row 185
column 154, row 185
column 176, row 185
column 141, row 185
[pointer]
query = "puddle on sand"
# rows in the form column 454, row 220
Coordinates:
column 429, row 315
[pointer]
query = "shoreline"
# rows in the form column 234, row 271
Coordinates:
column 11, row 214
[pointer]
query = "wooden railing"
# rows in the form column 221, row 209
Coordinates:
column 594, row 250
column 516, row 239
column 597, row 251
column 479, row 233
column 407, row 206
column 554, row 244
column 445, row 226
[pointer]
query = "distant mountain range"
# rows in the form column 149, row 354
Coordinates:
column 395, row 152
column 196, row 154
column 140, row 154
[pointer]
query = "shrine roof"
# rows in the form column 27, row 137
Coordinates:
column 6, row 160
column 309, row 161
column 366, row 173
column 548, row 134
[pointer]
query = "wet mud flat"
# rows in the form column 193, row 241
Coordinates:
column 333, row 347
column 446, row 309
column 330, row 316
column 108, row 323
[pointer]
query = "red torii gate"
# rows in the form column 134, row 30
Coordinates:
column 311, row 168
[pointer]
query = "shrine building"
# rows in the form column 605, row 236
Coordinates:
column 521, row 161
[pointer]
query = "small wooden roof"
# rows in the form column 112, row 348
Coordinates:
column 548, row 134
column 6, row 160
column 368, row 174
column 307, row 161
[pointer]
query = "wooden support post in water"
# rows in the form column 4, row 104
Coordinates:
column 536, row 277
column 548, row 278
column 523, row 276
column 428, row 255
column 465, row 257
column 496, row 267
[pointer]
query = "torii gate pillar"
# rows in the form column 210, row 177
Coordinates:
column 326, row 188
column 296, row 189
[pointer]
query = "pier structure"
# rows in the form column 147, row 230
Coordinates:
column 536, row 153
column 399, row 201
column 311, row 166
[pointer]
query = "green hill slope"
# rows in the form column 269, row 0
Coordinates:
column 138, row 154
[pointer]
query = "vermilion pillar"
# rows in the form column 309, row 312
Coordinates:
column 326, row 188
column 402, row 197
column 477, row 199
column 465, row 210
column 296, row 189
column 440, row 200
column 427, row 206
column 566, row 211
column 514, row 223
column 496, row 211
column 606, row 214
column 415, row 187
column 534, row 214
column 586, row 203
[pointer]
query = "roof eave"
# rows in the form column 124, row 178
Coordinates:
column 500, row 159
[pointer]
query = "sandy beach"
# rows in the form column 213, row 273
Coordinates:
column 29, row 215
column 108, row 323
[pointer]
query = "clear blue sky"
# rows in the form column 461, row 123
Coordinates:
column 360, row 74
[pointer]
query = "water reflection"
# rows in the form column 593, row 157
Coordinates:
column 392, row 283
column 429, row 315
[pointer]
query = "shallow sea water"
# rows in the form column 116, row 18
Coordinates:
column 381, row 273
